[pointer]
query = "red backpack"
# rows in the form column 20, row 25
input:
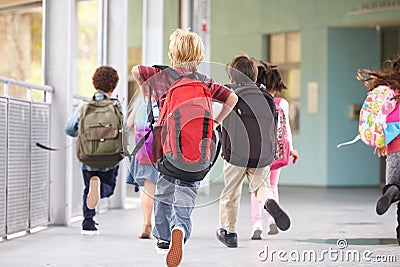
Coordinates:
column 183, row 138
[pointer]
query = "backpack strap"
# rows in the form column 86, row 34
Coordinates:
column 176, row 76
column 150, row 118
column 196, row 76
column 140, row 143
column 231, row 86
column 219, row 145
column 204, row 137
column 217, row 151
column 173, row 73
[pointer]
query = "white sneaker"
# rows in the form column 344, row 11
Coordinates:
column 175, row 253
column 257, row 231
column 90, row 232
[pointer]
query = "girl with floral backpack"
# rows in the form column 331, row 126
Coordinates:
column 389, row 77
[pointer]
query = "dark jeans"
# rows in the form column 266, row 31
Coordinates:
column 107, row 185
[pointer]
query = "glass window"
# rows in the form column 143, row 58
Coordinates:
column 134, row 45
column 21, row 47
column 88, row 21
column 277, row 48
column 284, row 50
column 293, row 45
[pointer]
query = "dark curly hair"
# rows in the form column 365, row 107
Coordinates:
column 105, row 78
column 270, row 76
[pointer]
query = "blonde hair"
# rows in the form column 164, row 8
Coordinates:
column 186, row 49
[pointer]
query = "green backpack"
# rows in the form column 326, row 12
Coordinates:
column 101, row 141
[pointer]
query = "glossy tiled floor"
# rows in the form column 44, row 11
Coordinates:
column 324, row 221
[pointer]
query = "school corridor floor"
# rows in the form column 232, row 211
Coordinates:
column 330, row 227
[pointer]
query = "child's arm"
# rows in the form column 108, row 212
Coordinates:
column 136, row 75
column 227, row 107
column 294, row 154
column 71, row 127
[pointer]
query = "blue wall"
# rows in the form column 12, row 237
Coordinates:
column 334, row 46
column 349, row 50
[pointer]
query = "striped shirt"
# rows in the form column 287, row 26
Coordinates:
column 160, row 81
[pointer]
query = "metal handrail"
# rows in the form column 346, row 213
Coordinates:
column 46, row 88
column 36, row 125
column 81, row 97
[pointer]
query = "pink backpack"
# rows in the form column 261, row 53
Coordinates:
column 144, row 154
column 282, row 155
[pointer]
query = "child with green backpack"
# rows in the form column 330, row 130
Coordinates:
column 98, row 124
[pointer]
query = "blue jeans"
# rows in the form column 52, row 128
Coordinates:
column 174, row 200
column 107, row 185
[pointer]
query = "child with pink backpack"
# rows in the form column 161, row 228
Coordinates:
column 141, row 171
column 270, row 78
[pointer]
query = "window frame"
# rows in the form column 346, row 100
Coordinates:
column 285, row 68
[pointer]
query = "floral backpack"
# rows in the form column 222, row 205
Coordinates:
column 372, row 121
column 282, row 155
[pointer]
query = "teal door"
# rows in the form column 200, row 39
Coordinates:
column 349, row 49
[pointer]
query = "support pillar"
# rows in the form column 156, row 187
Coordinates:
column 116, row 50
column 60, row 32
column 153, row 33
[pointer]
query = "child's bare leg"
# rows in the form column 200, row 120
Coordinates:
column 147, row 207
